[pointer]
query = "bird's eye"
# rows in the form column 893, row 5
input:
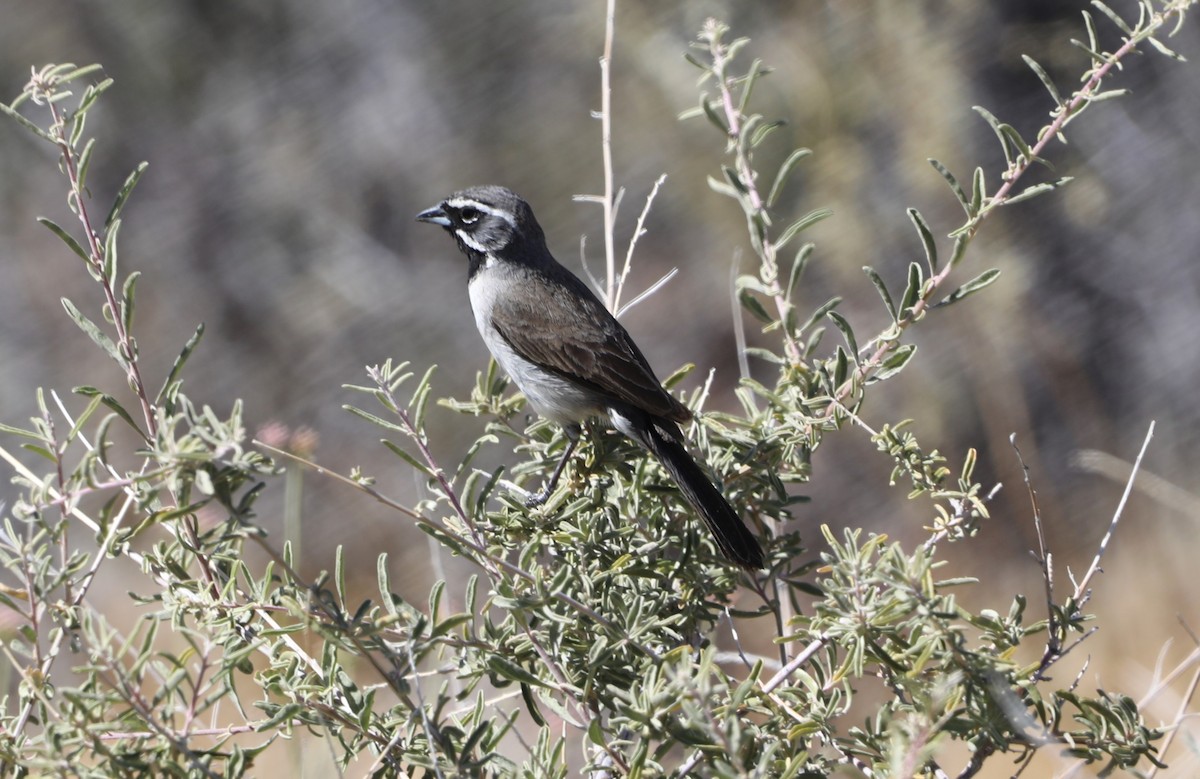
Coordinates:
column 469, row 215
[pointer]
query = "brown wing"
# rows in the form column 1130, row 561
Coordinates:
column 572, row 334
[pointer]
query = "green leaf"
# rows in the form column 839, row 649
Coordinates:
column 733, row 179
column 1108, row 94
column 954, row 185
column 881, row 287
column 798, row 266
column 894, row 363
column 66, row 238
column 110, row 250
column 960, row 249
column 763, row 354
column 375, row 420
column 408, row 458
column 21, row 432
column 803, row 223
column 1037, row 189
column 971, row 287
column 912, row 292
column 28, row 125
column 180, row 361
column 71, row 75
column 1045, row 77
column 819, row 314
column 92, row 94
column 85, row 162
column 95, row 333
column 711, row 113
column 847, row 331
column 506, row 669
column 1090, row 23
column 841, row 369
column 752, row 75
column 1163, row 49
column 721, row 188
column 339, row 573
column 1114, row 17
column 77, row 120
column 127, row 294
column 112, row 403
column 785, row 170
column 83, row 418
column 927, row 239
column 754, row 306
column 123, row 195
column 760, row 133
column 420, row 398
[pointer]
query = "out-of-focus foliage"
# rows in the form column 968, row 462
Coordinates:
column 285, row 216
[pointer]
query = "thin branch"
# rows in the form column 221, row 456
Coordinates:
column 1081, row 593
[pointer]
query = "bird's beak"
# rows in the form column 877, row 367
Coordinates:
column 435, row 215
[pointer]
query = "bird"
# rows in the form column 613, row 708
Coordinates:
column 568, row 354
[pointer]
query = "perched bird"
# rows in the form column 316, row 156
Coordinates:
column 568, row 354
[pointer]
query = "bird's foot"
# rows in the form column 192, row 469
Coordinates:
column 536, row 499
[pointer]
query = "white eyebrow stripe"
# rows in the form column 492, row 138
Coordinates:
column 464, row 202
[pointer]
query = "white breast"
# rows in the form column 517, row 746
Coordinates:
column 550, row 395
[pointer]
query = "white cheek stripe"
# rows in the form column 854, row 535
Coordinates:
column 469, row 240
column 464, row 202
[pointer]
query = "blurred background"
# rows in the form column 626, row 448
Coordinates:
column 291, row 143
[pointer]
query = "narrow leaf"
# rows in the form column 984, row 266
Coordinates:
column 28, row 125
column 847, row 331
column 123, row 194
column 803, row 223
column 1163, row 49
column 85, row 161
column 501, row 666
column 927, row 240
column 127, row 295
column 785, row 170
column 819, row 314
column 1090, row 23
column 752, row 75
column 954, row 186
column 754, row 306
column 93, row 404
column 881, row 287
column 1113, row 16
column 95, row 333
column 841, row 369
column 912, row 292
column 1037, row 189
column 721, row 188
column 894, row 363
column 971, row 287
column 1045, row 77
column 66, row 238
column 112, row 403
column 406, row 457
column 711, row 113
column 997, row 128
column 182, row 359
column 110, row 249
column 798, row 266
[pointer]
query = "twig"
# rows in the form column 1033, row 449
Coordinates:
column 610, row 211
column 1081, row 588
column 1046, row 561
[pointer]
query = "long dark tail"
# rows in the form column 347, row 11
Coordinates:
column 733, row 537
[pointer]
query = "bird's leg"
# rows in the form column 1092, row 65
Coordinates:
column 572, row 432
